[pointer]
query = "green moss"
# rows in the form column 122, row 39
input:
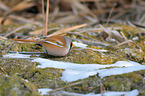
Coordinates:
column 134, row 54
column 125, row 82
column 130, row 31
column 9, row 45
column 88, row 56
column 47, row 78
column 91, row 84
column 16, row 86
column 17, row 66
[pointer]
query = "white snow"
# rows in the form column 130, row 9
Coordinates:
column 113, row 93
column 84, row 46
column 82, row 67
column 16, row 55
column 77, row 44
column 134, row 92
column 75, row 71
column 44, row 91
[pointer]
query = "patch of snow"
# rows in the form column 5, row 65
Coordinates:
column 44, row 91
column 74, row 71
column 80, row 45
column 16, row 55
column 113, row 93
column 134, row 92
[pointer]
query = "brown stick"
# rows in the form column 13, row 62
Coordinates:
column 110, row 14
column 65, row 86
column 3, row 70
column 12, row 32
column 66, row 30
column 43, row 17
column 47, row 16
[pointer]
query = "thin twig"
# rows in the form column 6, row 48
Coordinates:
column 65, row 86
column 124, row 42
column 66, row 30
column 43, row 17
column 21, row 19
column 18, row 7
column 54, row 13
column 38, row 32
column 101, row 88
column 47, row 16
column 125, row 38
column 79, row 35
column 110, row 14
column 22, row 27
column 132, row 42
column 4, row 6
column 25, row 52
column 98, row 29
column 3, row 70
column 1, row 37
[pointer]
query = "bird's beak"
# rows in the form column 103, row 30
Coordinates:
column 73, row 45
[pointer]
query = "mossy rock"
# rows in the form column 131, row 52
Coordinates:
column 42, row 78
column 88, row 85
column 16, row 86
column 134, row 54
column 10, row 45
column 126, row 82
column 141, row 44
column 88, row 56
column 47, row 78
column 18, row 67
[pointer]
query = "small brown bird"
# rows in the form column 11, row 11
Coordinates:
column 54, row 45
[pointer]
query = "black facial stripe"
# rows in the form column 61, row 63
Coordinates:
column 70, row 45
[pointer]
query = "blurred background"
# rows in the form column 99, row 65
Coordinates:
column 73, row 11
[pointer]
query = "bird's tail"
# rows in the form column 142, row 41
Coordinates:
column 25, row 40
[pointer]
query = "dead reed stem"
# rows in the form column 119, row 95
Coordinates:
column 43, row 17
column 110, row 14
column 65, row 86
column 47, row 16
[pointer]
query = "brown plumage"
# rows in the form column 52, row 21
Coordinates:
column 54, row 45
